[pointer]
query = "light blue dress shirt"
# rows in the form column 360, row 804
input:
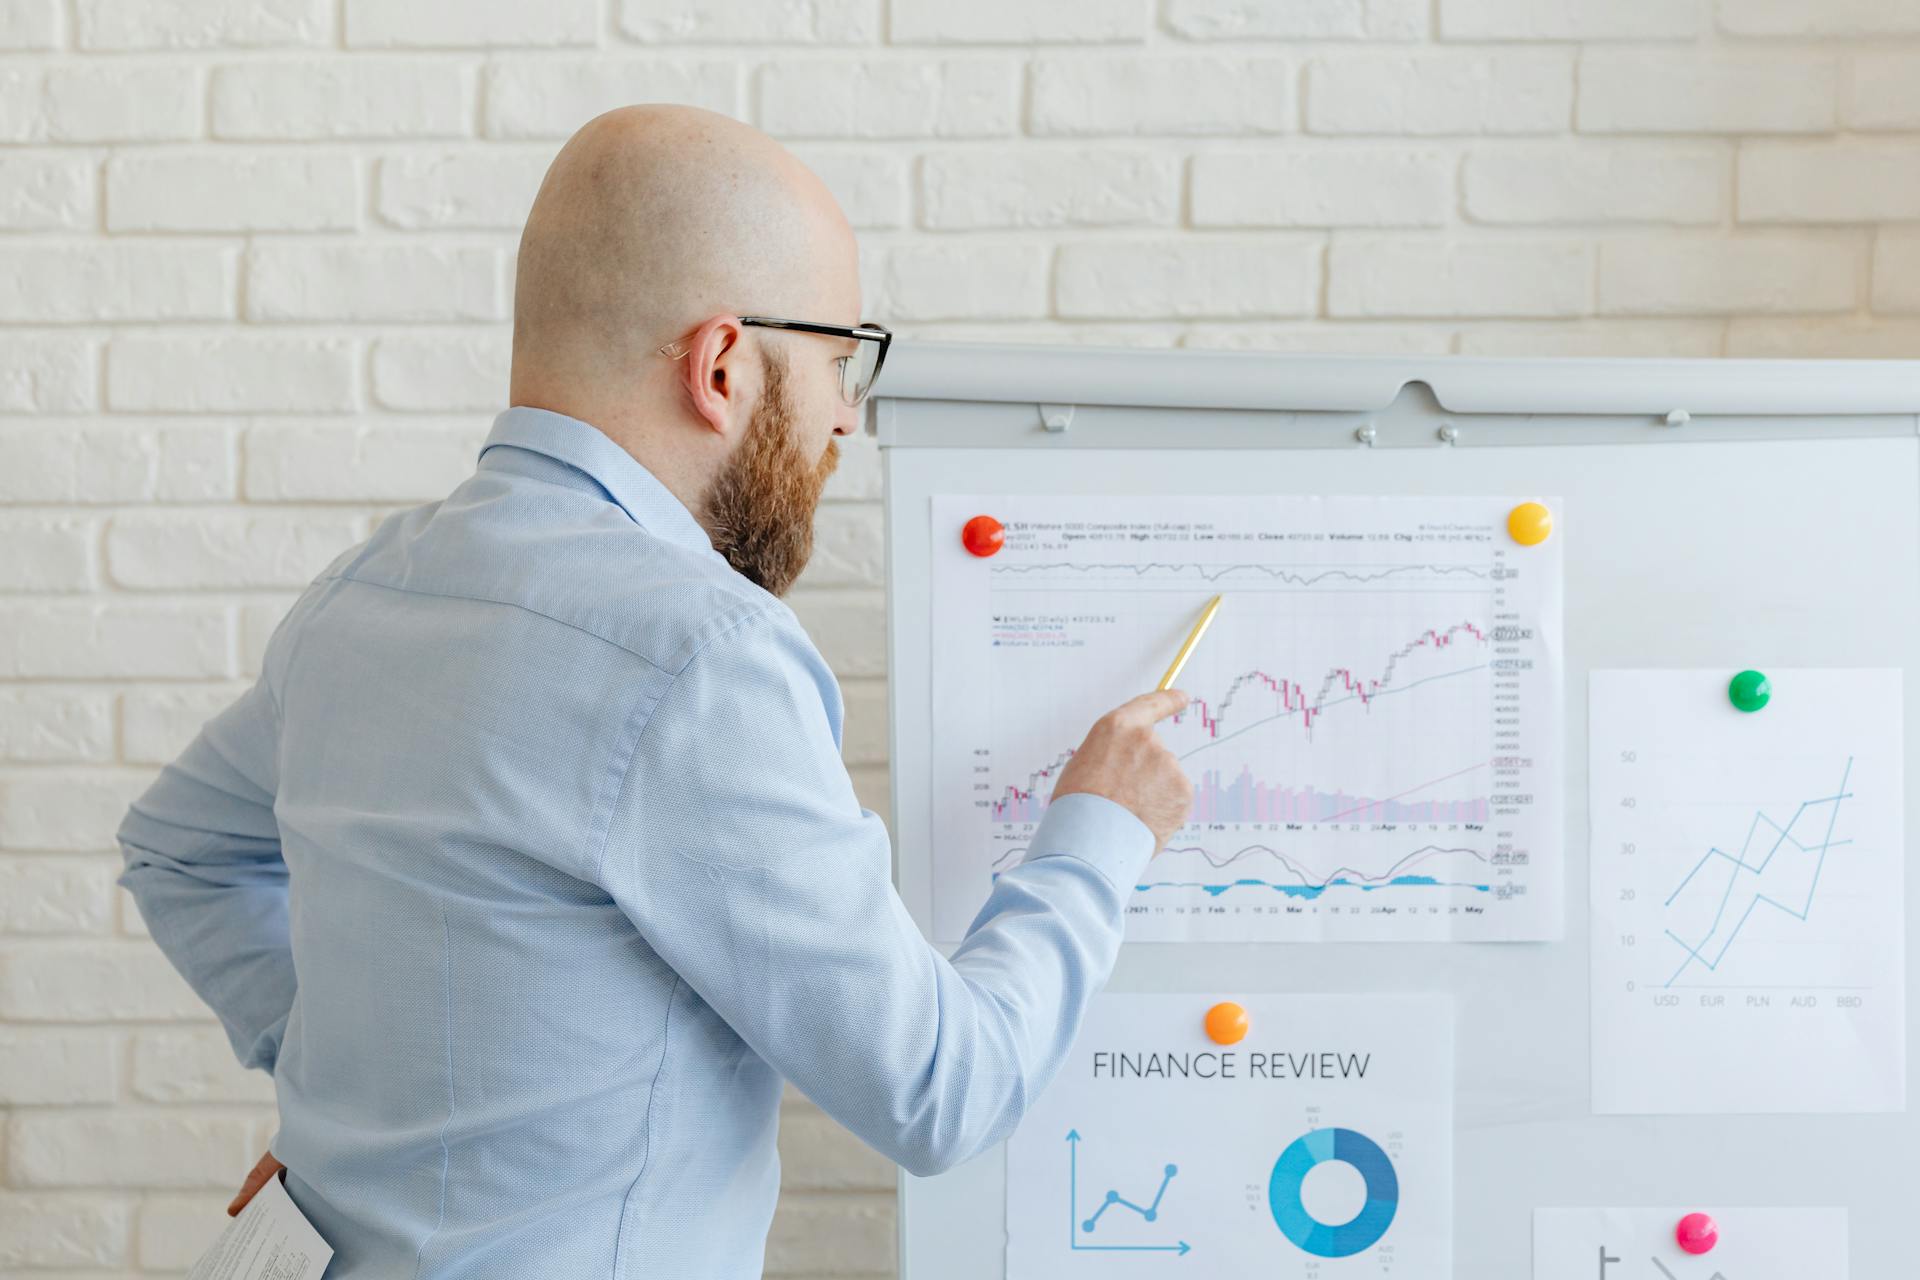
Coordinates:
column 529, row 867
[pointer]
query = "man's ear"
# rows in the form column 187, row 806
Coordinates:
column 710, row 371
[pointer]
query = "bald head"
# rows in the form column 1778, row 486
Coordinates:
column 660, row 225
column 654, row 218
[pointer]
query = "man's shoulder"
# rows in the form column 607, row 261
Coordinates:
column 674, row 602
column 598, row 574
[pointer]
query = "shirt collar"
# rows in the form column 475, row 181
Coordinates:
column 588, row 450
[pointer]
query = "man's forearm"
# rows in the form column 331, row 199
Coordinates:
column 203, row 863
column 229, row 940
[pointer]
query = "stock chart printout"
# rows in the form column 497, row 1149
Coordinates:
column 1318, row 1146
column 1373, row 737
column 1747, row 945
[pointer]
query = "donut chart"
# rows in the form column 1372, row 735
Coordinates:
column 1324, row 1239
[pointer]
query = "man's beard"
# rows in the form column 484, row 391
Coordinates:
column 760, row 511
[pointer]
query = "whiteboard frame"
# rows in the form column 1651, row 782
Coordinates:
column 1015, row 398
column 1187, row 379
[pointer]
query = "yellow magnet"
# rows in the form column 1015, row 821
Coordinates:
column 1227, row 1023
column 1530, row 523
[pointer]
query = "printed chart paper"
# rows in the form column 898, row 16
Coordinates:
column 270, row 1240
column 1747, row 940
column 1374, row 741
column 1318, row 1146
column 1638, row 1244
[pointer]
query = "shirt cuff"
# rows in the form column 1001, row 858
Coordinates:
column 1097, row 831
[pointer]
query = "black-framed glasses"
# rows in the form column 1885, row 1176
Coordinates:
column 857, row 371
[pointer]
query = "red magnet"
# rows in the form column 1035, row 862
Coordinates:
column 1697, row 1233
column 983, row 535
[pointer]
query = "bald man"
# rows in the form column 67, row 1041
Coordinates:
column 529, row 867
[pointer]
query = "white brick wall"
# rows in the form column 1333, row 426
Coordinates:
column 255, row 270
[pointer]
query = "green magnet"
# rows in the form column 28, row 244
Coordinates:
column 1749, row 691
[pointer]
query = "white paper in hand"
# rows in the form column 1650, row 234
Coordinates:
column 270, row 1240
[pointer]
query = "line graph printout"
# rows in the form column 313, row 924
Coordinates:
column 1747, row 939
column 1373, row 740
column 1320, row 1146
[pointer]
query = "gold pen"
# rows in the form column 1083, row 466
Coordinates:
column 1186, row 650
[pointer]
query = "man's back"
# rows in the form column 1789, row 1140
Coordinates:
column 476, row 1015
column 484, row 1051
column 529, row 867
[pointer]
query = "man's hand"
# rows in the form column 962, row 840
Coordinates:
column 1124, row 760
column 267, row 1168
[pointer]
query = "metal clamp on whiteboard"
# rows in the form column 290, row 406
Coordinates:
column 1056, row 417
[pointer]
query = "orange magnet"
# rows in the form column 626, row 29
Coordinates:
column 983, row 535
column 1530, row 524
column 1227, row 1023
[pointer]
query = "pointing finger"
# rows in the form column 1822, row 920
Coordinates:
column 1151, row 707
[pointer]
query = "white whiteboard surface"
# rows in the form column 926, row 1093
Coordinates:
column 1743, row 538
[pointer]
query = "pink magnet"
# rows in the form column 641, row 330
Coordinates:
column 1697, row 1233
